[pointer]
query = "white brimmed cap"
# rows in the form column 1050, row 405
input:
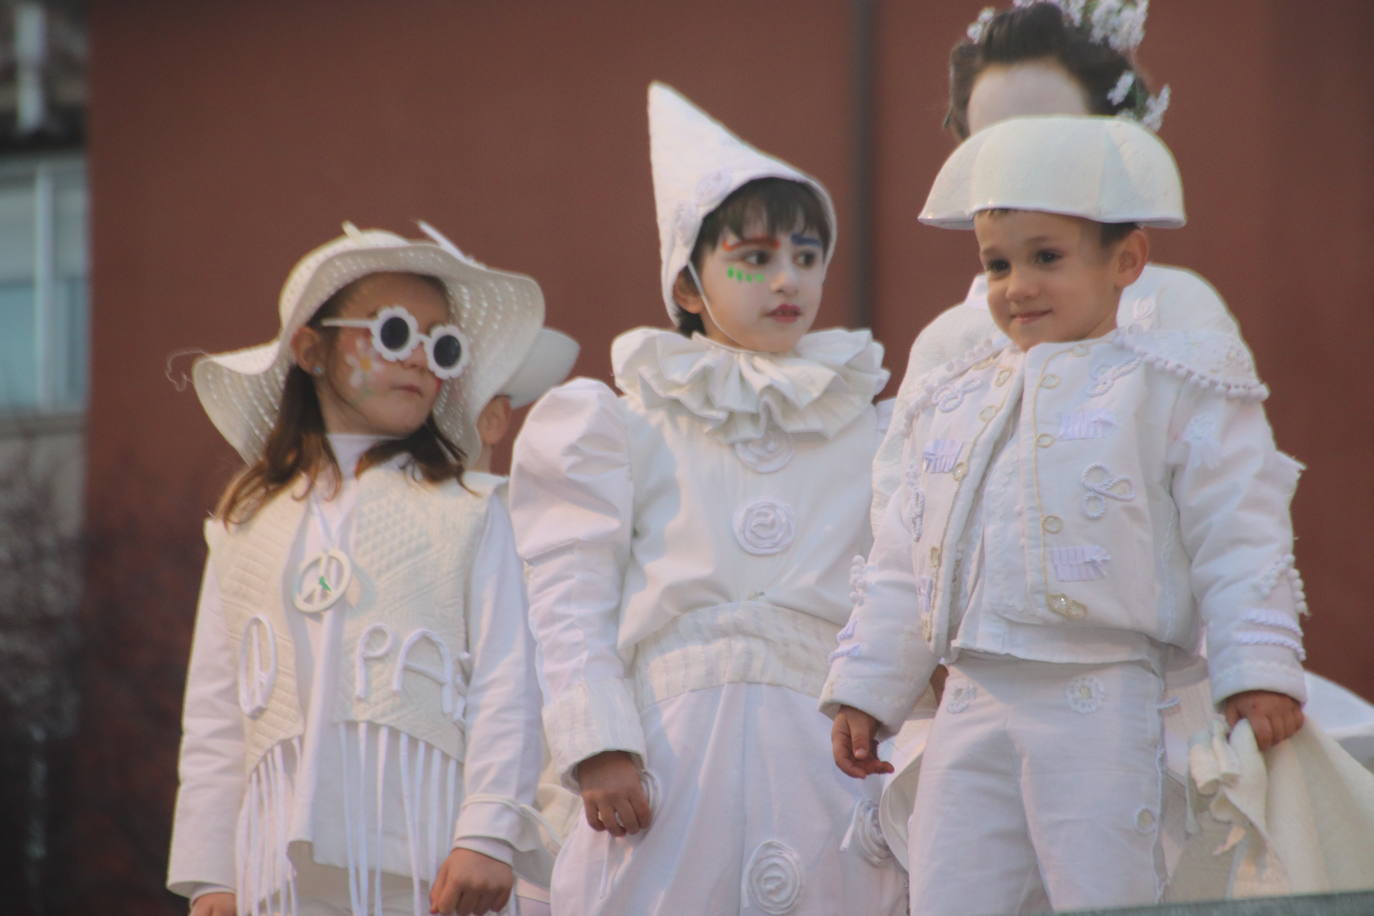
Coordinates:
column 1109, row 170
column 697, row 163
column 548, row 362
column 498, row 312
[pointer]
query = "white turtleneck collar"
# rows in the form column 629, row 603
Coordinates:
column 349, row 447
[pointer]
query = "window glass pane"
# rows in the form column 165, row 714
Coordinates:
column 70, row 336
column 44, row 345
column 69, row 324
column 18, row 358
column 16, row 228
column 69, row 212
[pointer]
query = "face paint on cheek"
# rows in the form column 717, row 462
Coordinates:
column 743, row 277
column 366, row 364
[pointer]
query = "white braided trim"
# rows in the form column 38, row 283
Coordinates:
column 933, row 385
column 1246, row 390
column 1273, row 639
column 1276, row 619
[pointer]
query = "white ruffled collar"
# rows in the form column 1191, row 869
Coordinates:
column 819, row 387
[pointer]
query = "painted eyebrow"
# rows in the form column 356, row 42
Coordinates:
column 766, row 240
column 799, row 239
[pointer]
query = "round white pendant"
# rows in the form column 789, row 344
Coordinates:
column 322, row 581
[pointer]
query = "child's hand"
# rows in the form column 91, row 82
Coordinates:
column 612, row 794
column 937, row 682
column 854, row 745
column 470, row 883
column 218, row 904
column 1273, row 716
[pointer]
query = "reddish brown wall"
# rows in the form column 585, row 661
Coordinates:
column 229, row 137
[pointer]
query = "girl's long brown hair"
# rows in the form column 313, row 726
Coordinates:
column 297, row 445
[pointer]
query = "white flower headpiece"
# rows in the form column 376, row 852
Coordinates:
column 1119, row 24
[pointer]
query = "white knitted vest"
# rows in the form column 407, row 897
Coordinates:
column 404, row 660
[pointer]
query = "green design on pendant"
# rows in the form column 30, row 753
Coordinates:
column 324, row 585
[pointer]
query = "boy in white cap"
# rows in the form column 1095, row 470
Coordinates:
column 688, row 543
column 547, row 363
column 1077, row 502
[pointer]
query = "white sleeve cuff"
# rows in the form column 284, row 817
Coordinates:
column 589, row 718
column 499, row 850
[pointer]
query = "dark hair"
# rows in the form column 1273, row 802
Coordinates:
column 297, row 444
column 1108, row 234
column 781, row 204
column 1041, row 32
column 1111, row 233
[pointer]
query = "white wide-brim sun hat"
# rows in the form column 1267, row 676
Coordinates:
column 1109, row 170
column 498, row 312
column 548, row 362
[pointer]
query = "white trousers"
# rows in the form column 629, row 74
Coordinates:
column 748, row 817
column 1041, row 788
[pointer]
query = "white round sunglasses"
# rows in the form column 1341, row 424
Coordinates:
column 396, row 333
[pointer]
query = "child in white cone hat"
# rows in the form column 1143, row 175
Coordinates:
column 1077, row 503
column 361, row 728
column 688, row 542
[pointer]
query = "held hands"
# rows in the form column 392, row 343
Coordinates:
column 854, row 745
column 612, row 794
column 1273, row 716
column 218, row 904
column 470, row 884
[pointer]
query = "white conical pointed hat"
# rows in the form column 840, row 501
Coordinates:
column 1110, row 170
column 697, row 163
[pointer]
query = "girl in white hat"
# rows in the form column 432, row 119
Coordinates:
column 689, row 541
column 361, row 731
column 1077, row 502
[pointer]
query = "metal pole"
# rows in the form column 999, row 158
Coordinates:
column 861, row 129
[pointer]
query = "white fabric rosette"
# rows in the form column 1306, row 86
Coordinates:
column 768, row 453
column 773, row 878
column 765, row 527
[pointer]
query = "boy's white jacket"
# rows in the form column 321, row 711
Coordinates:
column 1162, row 297
column 1154, row 500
